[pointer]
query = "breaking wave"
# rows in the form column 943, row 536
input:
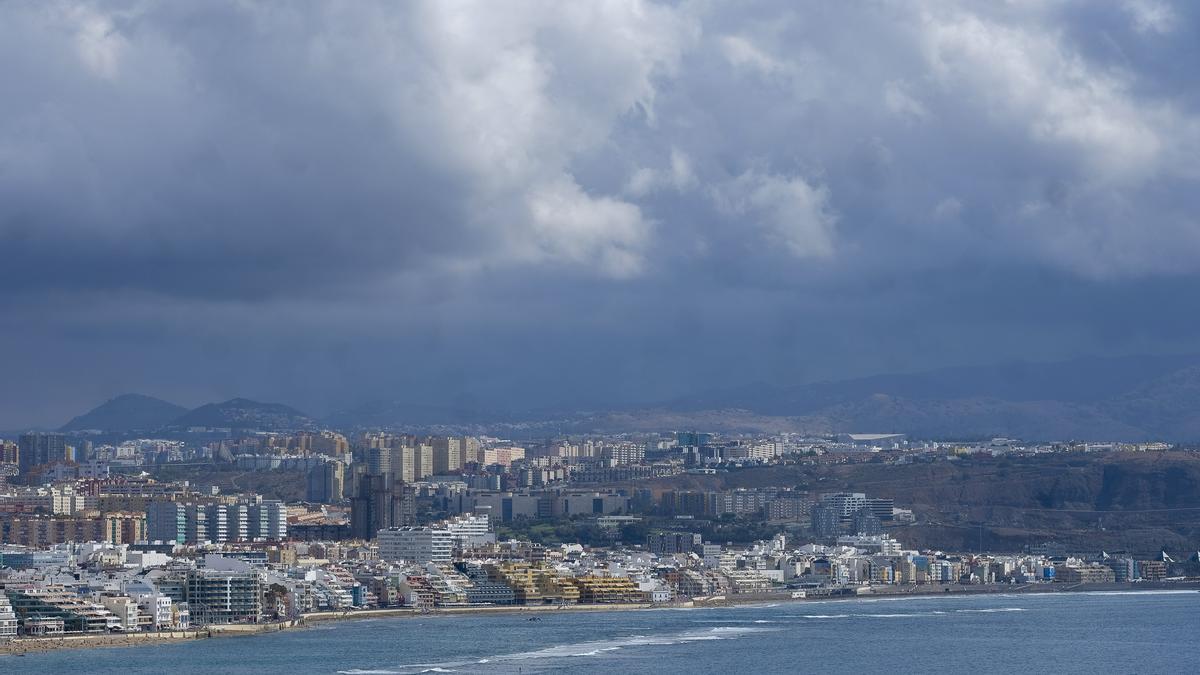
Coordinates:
column 574, row 650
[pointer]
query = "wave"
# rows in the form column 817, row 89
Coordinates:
column 865, row 615
column 991, row 610
column 356, row 671
column 575, row 650
column 816, row 616
column 754, row 605
column 1181, row 591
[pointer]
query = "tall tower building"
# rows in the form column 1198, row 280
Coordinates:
column 422, row 461
column 379, row 503
column 469, row 449
column 447, row 455
column 403, row 464
column 326, row 482
column 36, row 449
column 380, row 460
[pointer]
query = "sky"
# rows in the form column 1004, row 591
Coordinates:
column 583, row 204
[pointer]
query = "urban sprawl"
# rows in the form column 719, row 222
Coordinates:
column 92, row 542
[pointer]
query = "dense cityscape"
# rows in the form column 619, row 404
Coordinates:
column 94, row 544
column 620, row 337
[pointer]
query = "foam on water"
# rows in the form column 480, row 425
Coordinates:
column 1146, row 592
column 893, row 615
column 574, row 650
column 356, row 671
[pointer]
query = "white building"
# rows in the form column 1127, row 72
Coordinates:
column 125, row 609
column 881, row 544
column 416, row 544
column 8, row 619
column 158, row 606
column 470, row 530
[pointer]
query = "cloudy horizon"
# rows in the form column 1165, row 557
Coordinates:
column 583, row 204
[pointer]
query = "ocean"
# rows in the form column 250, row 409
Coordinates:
column 1136, row 632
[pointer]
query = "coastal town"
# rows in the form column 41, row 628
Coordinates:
column 602, row 338
column 93, row 544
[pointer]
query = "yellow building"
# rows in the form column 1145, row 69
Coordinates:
column 556, row 589
column 518, row 576
column 604, row 590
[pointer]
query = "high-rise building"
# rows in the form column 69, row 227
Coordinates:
column 36, row 449
column 166, row 521
column 223, row 596
column 226, row 522
column 864, row 521
column 326, row 482
column 447, row 455
column 825, row 520
column 379, row 503
column 267, row 520
column 416, row 544
column 422, row 461
column 503, row 455
column 8, row 452
column 401, row 465
column 469, row 448
column 379, row 460
column 217, row 523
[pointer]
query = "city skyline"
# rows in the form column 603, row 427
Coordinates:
column 618, row 337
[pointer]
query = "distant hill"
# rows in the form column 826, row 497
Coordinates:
column 1120, row 399
column 128, row 412
column 1170, row 402
column 1086, row 380
column 1123, row 399
column 241, row 413
column 388, row 413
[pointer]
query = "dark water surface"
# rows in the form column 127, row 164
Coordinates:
column 1150, row 632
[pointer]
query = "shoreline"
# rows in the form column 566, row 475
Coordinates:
column 33, row 645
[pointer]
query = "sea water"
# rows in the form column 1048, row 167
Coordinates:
column 1148, row 632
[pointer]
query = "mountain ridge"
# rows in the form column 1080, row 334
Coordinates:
column 244, row 413
column 1129, row 398
column 126, row 412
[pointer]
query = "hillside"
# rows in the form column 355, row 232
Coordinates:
column 1085, row 380
column 128, row 412
column 386, row 413
column 1130, row 398
column 1115, row 500
column 241, row 413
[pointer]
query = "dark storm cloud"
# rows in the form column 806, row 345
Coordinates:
column 548, row 204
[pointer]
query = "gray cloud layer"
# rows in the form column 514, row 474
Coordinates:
column 582, row 203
